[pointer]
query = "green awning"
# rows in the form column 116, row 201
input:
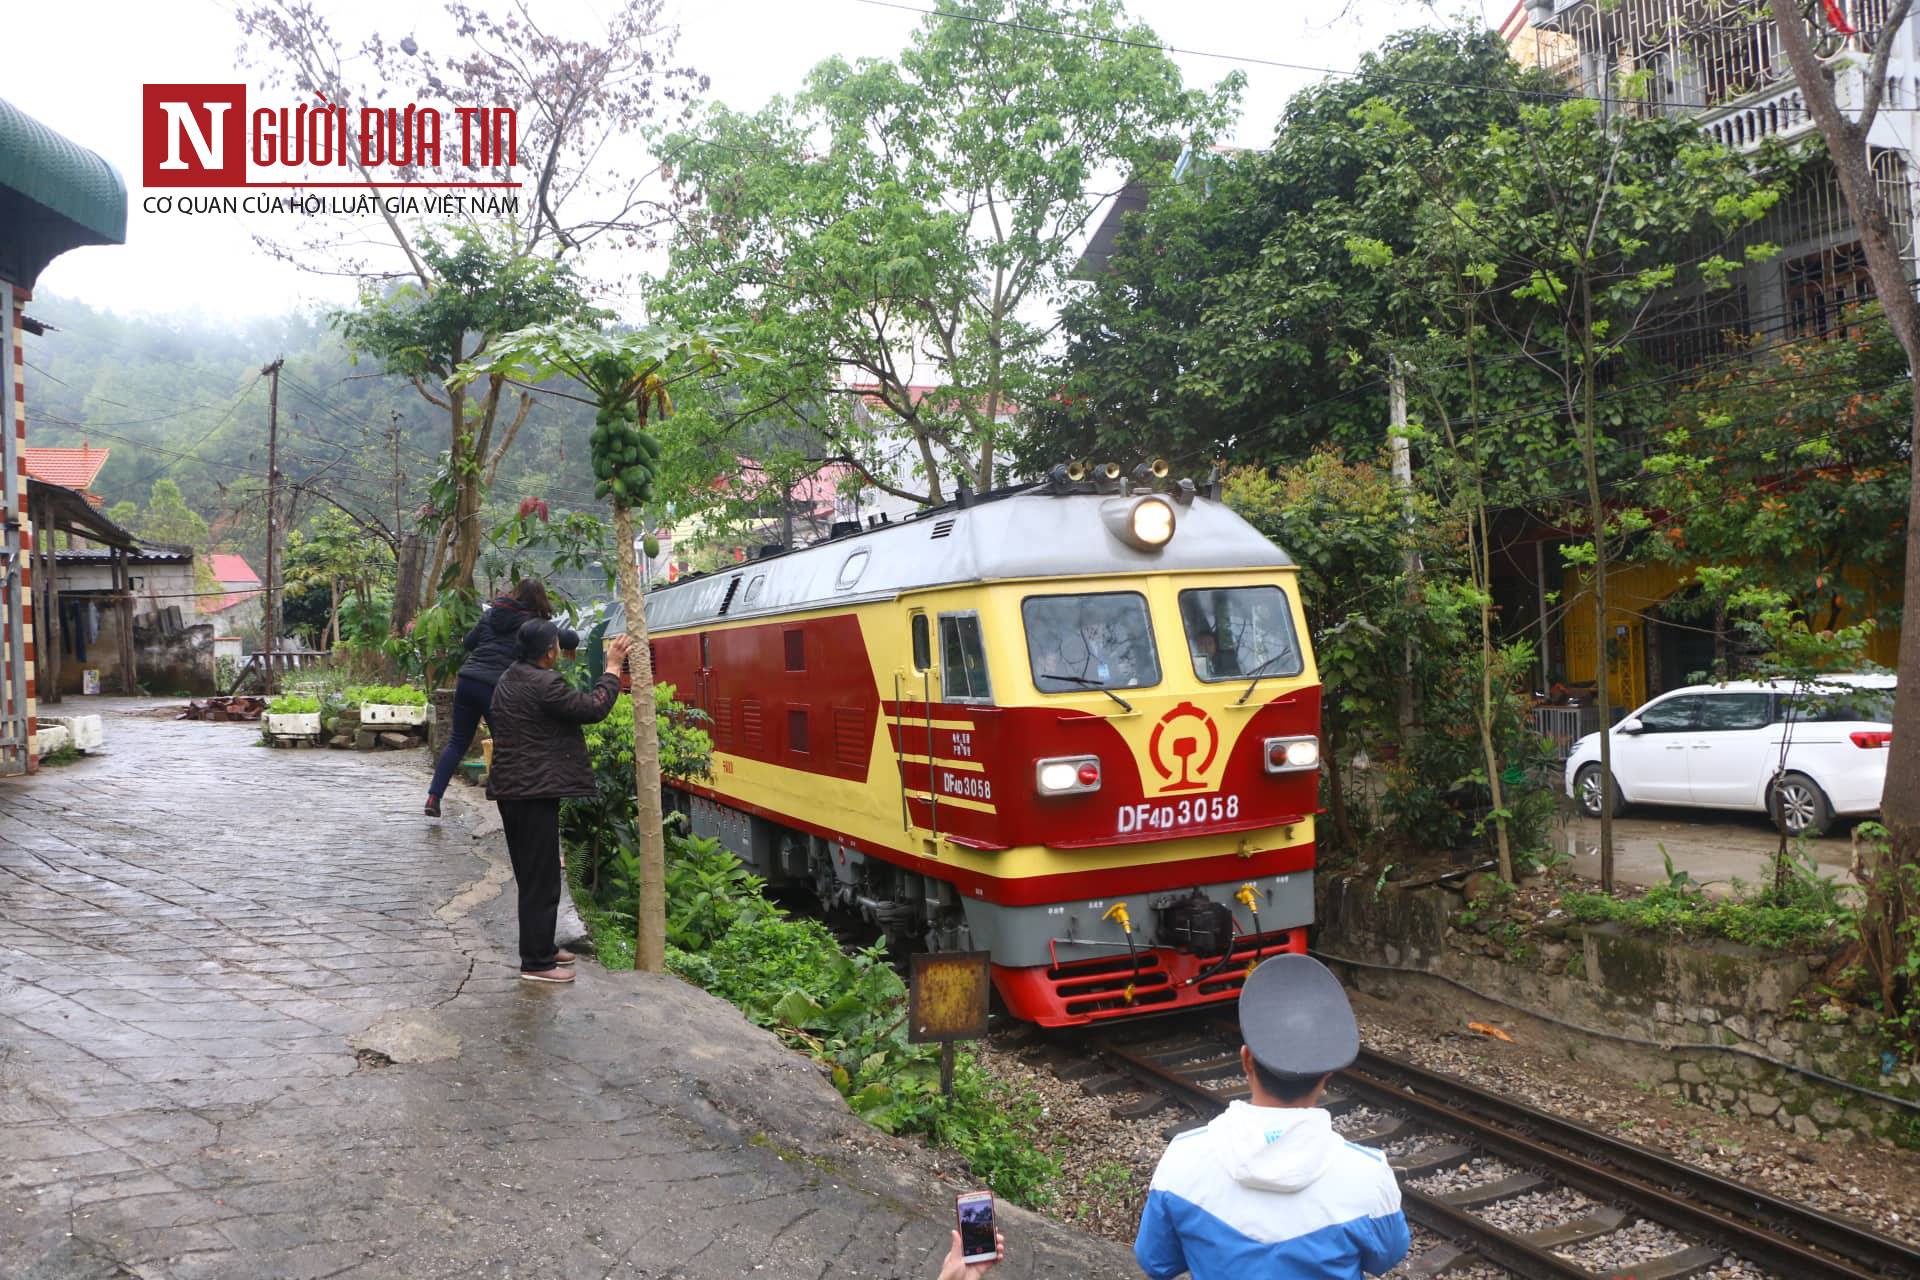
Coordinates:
column 55, row 195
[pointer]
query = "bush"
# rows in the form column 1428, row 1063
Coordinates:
column 1810, row 912
column 599, row 827
column 846, row 1011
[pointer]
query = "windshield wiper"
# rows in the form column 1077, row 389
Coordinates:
column 1259, row 673
column 1091, row 684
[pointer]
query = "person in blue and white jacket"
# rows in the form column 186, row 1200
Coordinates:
column 1269, row 1190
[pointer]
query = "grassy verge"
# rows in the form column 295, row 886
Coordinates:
column 1807, row 911
column 848, row 1012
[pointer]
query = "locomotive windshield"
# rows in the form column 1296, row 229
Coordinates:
column 1235, row 632
column 1090, row 642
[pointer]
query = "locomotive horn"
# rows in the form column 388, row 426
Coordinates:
column 1159, row 468
column 1109, row 471
column 1077, row 469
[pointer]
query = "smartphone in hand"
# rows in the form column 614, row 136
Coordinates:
column 975, row 1210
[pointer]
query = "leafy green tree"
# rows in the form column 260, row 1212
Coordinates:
column 627, row 375
column 1233, row 321
column 1784, row 472
column 168, row 521
column 1586, row 223
column 1890, row 923
column 474, row 287
column 903, row 224
column 1345, row 524
column 335, row 552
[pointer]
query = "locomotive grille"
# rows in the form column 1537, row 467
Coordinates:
column 751, row 731
column 941, row 528
column 849, row 736
column 723, row 723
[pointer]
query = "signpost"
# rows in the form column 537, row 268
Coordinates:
column 947, row 999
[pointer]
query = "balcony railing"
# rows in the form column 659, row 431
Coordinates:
column 1744, row 124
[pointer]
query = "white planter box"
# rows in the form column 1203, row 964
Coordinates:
column 390, row 713
column 49, row 739
column 84, row 732
column 295, row 724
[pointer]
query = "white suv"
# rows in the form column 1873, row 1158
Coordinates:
column 1718, row 747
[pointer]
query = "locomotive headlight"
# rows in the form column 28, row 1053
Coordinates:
column 1292, row 755
column 1145, row 523
column 1067, row 775
column 1153, row 522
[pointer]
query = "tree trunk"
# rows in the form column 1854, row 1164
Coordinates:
column 1597, row 517
column 650, row 912
column 1893, row 896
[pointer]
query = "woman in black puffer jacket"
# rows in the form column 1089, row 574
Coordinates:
column 492, row 645
column 540, row 759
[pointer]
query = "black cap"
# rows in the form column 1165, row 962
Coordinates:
column 1296, row 1019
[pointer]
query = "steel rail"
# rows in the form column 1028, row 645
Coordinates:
column 1671, row 1186
column 1788, row 1239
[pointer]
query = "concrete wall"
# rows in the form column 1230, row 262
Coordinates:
column 1710, row 1010
column 157, row 586
column 175, row 661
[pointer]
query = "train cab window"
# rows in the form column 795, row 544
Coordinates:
column 963, row 659
column 1235, row 632
column 1102, row 641
column 922, row 642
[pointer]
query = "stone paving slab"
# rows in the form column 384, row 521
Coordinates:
column 258, row 1018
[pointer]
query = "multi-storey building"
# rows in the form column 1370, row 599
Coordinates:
column 1720, row 63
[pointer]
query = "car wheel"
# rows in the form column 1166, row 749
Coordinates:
column 1800, row 806
column 1587, row 792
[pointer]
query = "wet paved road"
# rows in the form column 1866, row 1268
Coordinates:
column 195, row 934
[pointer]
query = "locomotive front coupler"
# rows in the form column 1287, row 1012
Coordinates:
column 1195, row 924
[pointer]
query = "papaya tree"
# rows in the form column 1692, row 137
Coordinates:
column 627, row 375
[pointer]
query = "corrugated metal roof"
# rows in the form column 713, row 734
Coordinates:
column 145, row 555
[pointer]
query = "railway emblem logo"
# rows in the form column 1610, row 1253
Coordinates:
column 1188, row 750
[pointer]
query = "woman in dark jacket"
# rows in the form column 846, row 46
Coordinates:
column 540, row 758
column 491, row 647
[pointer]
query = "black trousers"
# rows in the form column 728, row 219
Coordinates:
column 533, row 842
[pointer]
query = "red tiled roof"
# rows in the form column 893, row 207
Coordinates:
column 69, row 468
column 231, row 568
column 221, row 604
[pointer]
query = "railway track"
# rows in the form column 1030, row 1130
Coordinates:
column 1467, row 1158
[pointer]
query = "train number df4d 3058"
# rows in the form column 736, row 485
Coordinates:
column 1190, row 812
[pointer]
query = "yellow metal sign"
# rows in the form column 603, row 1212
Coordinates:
column 947, row 996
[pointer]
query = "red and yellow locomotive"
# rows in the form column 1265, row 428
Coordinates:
column 1075, row 726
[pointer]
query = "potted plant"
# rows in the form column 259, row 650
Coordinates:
column 293, row 715
column 382, row 704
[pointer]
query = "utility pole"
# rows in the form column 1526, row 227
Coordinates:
column 1401, row 461
column 269, row 626
column 397, row 478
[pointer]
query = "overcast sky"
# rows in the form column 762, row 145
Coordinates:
column 78, row 66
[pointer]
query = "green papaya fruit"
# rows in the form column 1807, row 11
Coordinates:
column 650, row 545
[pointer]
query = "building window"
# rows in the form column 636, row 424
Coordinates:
column 1821, row 287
